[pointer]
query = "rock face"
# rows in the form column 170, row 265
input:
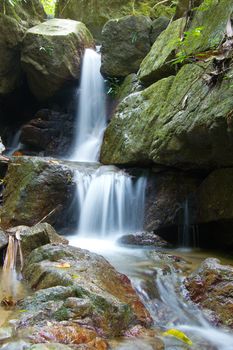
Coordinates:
column 157, row 64
column 52, row 53
column 36, row 187
column 143, row 239
column 166, row 194
column 3, row 240
column 14, row 21
column 75, row 285
column 96, row 14
column 130, row 84
column 184, row 122
column 211, row 288
column 49, row 132
column 215, row 212
column 125, row 42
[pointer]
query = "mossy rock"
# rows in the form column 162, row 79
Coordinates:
column 183, row 122
column 96, row 13
column 125, row 42
column 52, row 53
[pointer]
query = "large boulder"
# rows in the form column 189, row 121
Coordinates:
column 35, row 188
column 211, row 288
column 96, row 13
column 125, row 42
column 14, row 21
column 183, row 122
column 52, row 53
column 75, row 285
column 158, row 63
column 158, row 26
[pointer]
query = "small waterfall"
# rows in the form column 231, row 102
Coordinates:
column 15, row 144
column 91, row 116
column 110, row 202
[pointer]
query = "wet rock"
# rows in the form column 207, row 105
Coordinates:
column 52, row 53
column 36, row 188
column 211, row 287
column 157, row 64
column 36, row 236
column 50, row 132
column 51, row 346
column 125, row 42
column 5, row 333
column 130, row 85
column 143, row 239
column 3, row 239
column 215, row 212
column 14, row 21
column 76, row 285
column 182, row 122
column 158, row 26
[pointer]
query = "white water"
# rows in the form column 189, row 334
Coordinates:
column 91, row 115
column 15, row 144
column 110, row 203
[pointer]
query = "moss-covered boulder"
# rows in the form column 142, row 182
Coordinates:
column 14, row 21
column 125, row 42
column 36, row 187
column 96, row 13
column 184, row 122
column 211, row 288
column 130, row 84
column 75, row 285
column 52, row 53
column 157, row 64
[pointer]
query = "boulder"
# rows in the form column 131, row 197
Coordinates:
column 158, row 63
column 36, row 187
column 52, row 53
column 75, row 285
column 14, row 21
column 143, row 239
column 3, row 240
column 211, row 288
column 183, row 122
column 50, row 132
column 125, row 42
column 96, row 14
column 158, row 26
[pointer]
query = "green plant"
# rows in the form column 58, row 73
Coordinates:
column 49, row 6
column 113, row 86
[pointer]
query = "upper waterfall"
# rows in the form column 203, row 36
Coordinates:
column 91, row 113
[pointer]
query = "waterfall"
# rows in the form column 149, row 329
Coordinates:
column 110, row 203
column 15, row 144
column 91, row 115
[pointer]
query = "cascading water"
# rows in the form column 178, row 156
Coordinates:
column 111, row 202
column 91, row 116
column 15, row 144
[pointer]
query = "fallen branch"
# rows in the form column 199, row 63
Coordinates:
column 49, row 214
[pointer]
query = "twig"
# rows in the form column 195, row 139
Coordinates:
column 160, row 3
column 46, row 216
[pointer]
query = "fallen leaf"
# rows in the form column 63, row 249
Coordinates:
column 64, row 265
column 178, row 335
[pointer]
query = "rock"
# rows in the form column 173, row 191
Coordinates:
column 211, row 288
column 213, row 28
column 158, row 26
column 157, row 64
column 14, row 21
column 134, row 116
column 166, row 194
column 52, row 53
column 3, row 240
column 49, row 132
column 143, row 239
column 125, row 42
column 215, row 212
column 130, row 84
column 51, row 346
column 75, row 285
column 36, row 236
column 95, row 15
column 36, row 187
column 182, row 122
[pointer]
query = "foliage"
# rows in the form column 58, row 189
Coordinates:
column 49, row 6
column 113, row 86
